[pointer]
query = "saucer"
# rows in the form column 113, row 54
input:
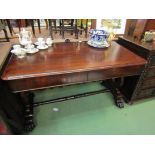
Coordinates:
column 15, row 51
column 93, row 44
column 34, row 50
column 20, row 54
column 42, row 48
column 36, row 43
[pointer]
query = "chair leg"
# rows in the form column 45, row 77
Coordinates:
column 38, row 21
column 86, row 30
column 6, row 35
column 50, row 28
column 46, row 22
column 81, row 27
column 72, row 22
column 55, row 26
column 62, row 29
column 32, row 25
column 60, row 25
column 76, row 30
column 9, row 26
column 18, row 23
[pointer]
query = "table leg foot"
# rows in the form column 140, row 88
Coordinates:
column 27, row 99
column 118, row 98
column 29, row 126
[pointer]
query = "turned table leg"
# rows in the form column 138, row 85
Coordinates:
column 27, row 99
column 118, row 98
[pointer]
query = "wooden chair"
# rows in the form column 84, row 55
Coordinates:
column 69, row 25
column 2, row 27
column 33, row 27
column 10, row 26
column 54, row 27
column 29, row 22
column 20, row 23
column 39, row 26
column 83, row 27
column 24, row 23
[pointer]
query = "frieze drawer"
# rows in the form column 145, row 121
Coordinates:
column 151, row 72
column 146, row 93
column 148, row 83
column 46, row 81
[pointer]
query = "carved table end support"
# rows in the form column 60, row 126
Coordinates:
column 118, row 98
column 27, row 99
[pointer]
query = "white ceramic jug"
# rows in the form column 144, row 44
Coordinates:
column 24, row 37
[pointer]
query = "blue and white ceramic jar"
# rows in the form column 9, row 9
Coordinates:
column 98, row 38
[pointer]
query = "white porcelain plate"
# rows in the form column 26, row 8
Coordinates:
column 12, row 51
column 42, row 48
column 93, row 44
column 16, row 52
column 35, row 50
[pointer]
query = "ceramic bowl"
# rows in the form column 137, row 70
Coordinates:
column 98, row 36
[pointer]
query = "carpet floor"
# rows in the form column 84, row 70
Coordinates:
column 93, row 115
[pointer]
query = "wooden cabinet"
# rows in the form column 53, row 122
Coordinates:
column 137, row 27
column 143, row 85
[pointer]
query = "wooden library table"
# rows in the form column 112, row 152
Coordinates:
column 67, row 64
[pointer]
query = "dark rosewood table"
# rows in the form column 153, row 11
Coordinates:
column 66, row 64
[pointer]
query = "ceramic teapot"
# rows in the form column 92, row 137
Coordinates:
column 24, row 37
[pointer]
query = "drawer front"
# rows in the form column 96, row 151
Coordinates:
column 47, row 81
column 151, row 72
column 148, row 83
column 114, row 73
column 146, row 93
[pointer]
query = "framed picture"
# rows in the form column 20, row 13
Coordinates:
column 117, row 25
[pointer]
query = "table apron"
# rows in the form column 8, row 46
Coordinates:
column 33, row 83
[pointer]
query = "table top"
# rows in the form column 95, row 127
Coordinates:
column 70, row 57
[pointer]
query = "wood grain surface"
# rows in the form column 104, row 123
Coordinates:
column 68, row 58
column 70, row 63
